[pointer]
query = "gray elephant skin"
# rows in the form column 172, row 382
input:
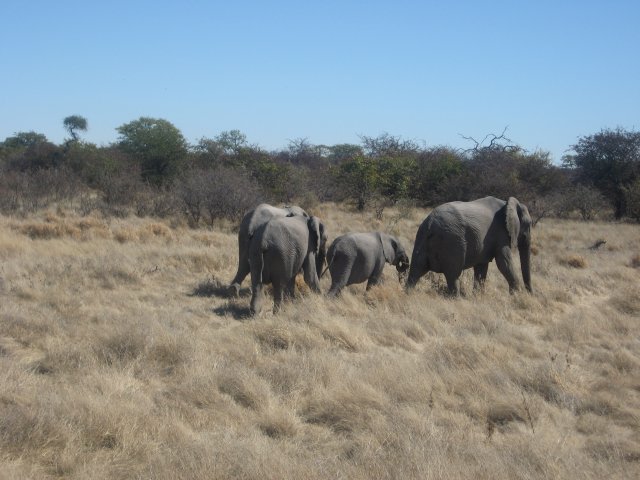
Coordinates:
column 251, row 222
column 278, row 251
column 460, row 235
column 359, row 257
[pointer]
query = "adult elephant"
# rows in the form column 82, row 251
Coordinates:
column 251, row 222
column 278, row 251
column 358, row 257
column 461, row 235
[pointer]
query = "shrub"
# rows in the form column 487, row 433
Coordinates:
column 610, row 160
column 154, row 201
column 35, row 156
column 30, row 191
column 216, row 194
column 119, row 189
column 632, row 200
column 587, row 201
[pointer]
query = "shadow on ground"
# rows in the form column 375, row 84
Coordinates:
column 213, row 287
column 238, row 312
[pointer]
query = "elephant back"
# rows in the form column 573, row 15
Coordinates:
column 264, row 212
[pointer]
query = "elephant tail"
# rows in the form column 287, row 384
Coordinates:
column 260, row 264
column 329, row 262
column 324, row 271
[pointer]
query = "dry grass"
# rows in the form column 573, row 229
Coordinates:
column 122, row 357
column 575, row 261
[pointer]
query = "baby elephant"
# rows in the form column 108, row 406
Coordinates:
column 356, row 257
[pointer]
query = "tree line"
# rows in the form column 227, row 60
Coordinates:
column 152, row 170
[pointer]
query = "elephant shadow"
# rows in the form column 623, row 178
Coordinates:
column 212, row 287
column 238, row 312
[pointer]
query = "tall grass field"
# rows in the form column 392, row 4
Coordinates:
column 121, row 357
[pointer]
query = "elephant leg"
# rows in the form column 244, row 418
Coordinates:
column 480, row 275
column 340, row 271
column 336, row 288
column 257, row 298
column 291, row 288
column 278, row 295
column 243, row 270
column 453, row 283
column 375, row 278
column 372, row 282
column 505, row 265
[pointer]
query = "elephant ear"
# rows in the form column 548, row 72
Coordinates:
column 315, row 237
column 322, row 238
column 513, row 221
column 388, row 247
column 525, row 218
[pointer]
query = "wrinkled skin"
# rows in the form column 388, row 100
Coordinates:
column 461, row 235
column 251, row 222
column 359, row 257
column 279, row 250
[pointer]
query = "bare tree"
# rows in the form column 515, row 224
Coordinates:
column 496, row 143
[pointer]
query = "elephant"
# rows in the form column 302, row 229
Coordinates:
column 356, row 257
column 460, row 235
column 278, row 251
column 251, row 222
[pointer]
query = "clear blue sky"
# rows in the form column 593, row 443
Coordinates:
column 277, row 70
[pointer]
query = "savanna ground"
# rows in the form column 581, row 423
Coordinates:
column 121, row 358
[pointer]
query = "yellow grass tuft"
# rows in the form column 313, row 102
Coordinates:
column 48, row 230
column 574, row 261
column 278, row 423
column 151, row 230
column 124, row 235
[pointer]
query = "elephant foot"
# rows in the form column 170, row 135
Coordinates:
column 514, row 289
column 334, row 292
column 233, row 290
column 277, row 307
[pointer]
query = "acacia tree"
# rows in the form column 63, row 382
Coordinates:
column 73, row 124
column 610, row 160
column 157, row 144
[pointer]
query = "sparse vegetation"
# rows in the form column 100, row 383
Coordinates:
column 152, row 171
column 121, row 356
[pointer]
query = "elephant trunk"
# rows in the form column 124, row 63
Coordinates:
column 416, row 270
column 311, row 275
column 524, row 248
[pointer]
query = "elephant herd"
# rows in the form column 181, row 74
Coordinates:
column 275, row 244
